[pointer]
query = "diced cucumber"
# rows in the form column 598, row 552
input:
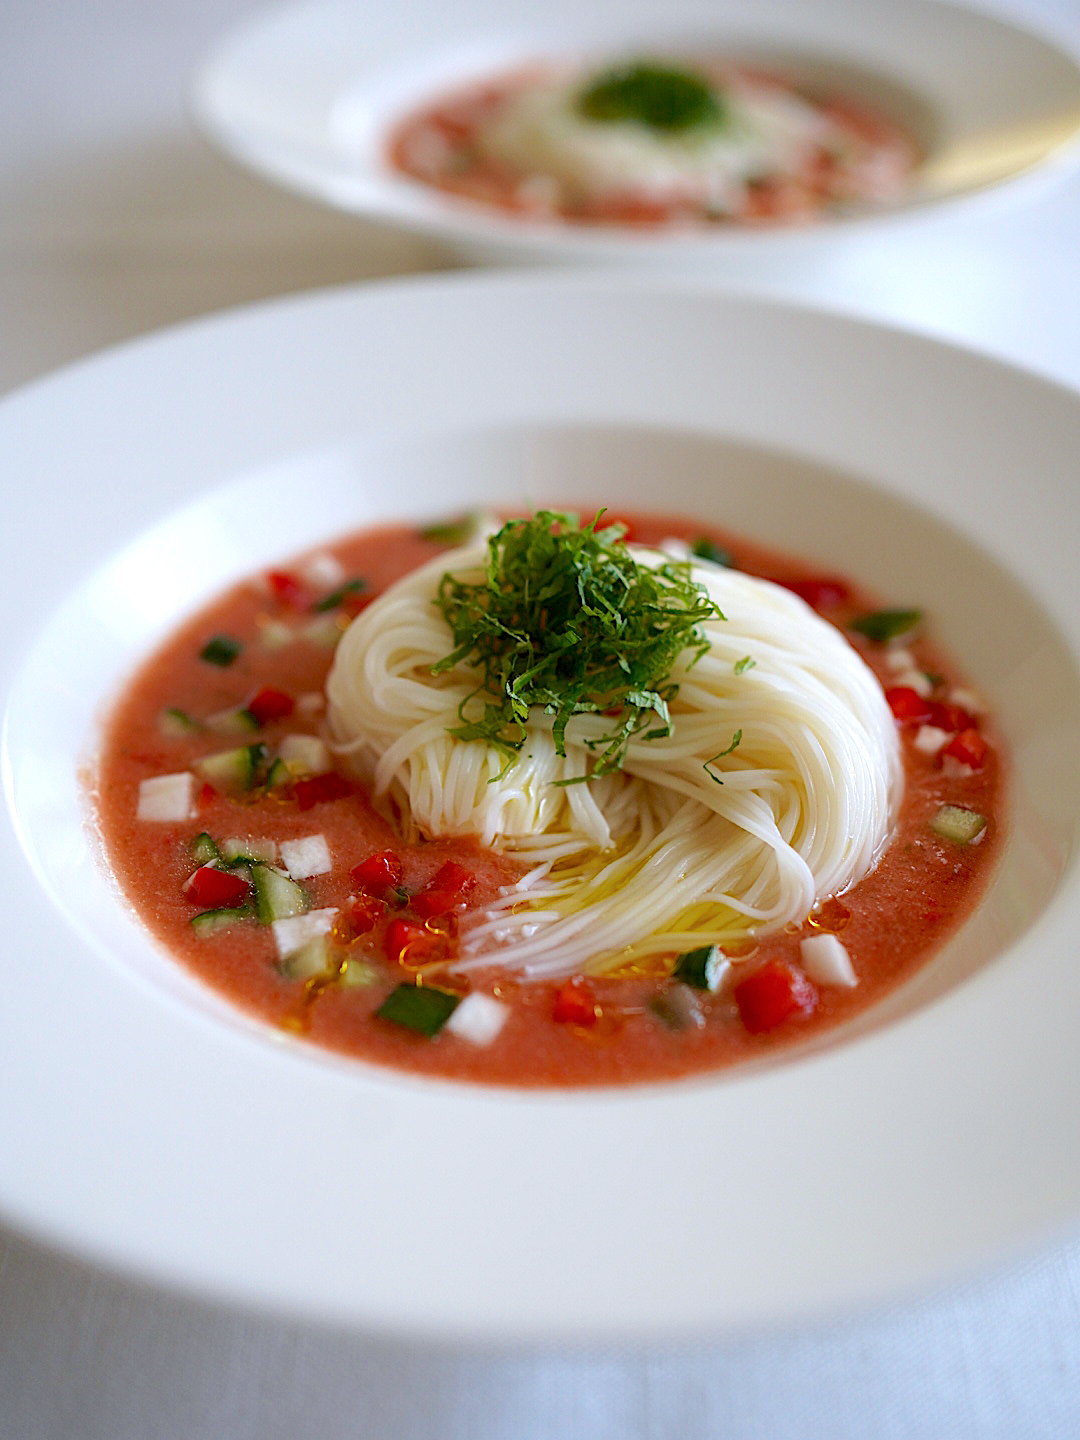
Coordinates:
column 220, row 650
column 678, row 1008
column 204, row 849
column 356, row 972
column 279, row 774
column 233, row 769
column 331, row 602
column 211, row 921
column 254, row 850
column 419, row 1008
column 882, row 625
column 702, row 968
column 176, row 724
column 310, row 960
column 275, row 634
column 961, row 826
column 705, row 549
column 235, row 721
column 323, row 631
column 276, row 896
column 305, row 755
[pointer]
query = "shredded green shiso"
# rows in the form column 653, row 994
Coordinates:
column 566, row 620
column 660, row 97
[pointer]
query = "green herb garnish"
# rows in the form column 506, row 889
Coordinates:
column 220, row 650
column 661, row 97
column 709, row 550
column 568, row 621
column 884, row 625
column 736, row 741
column 746, row 663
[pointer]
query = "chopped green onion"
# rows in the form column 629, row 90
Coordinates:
column 952, row 822
column 746, row 663
column 705, row 549
column 419, row 1008
column 702, row 968
column 221, row 650
column 882, row 625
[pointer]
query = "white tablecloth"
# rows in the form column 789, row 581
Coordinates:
column 115, row 219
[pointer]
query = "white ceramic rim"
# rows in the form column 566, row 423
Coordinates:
column 148, row 1135
column 303, row 95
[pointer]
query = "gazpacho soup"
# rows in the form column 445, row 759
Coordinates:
column 551, row 801
column 656, row 142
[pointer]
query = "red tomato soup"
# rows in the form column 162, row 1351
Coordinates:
column 228, row 719
column 655, row 143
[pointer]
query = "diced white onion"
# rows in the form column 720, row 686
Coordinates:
column 275, row 634
column 478, row 1019
column 292, row 933
column 323, row 571
column 826, row 961
column 305, row 755
column 929, row 739
column 311, row 702
column 899, row 659
column 306, row 857
column 915, row 680
column 167, row 797
column 967, row 700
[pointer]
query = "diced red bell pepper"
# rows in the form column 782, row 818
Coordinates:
column 908, row 706
column 410, row 944
column 356, row 601
column 288, row 589
column 317, row 788
column 361, row 913
column 969, row 748
column 820, row 593
column 772, row 994
column 206, row 796
column 575, row 1003
column 952, row 718
column 214, row 889
column 378, row 873
column 269, row 704
column 447, row 890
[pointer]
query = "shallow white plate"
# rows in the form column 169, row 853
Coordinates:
column 147, row 1125
column 306, row 95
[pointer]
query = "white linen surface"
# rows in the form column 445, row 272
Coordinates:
column 114, row 219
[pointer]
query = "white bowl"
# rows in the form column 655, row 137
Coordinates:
column 150, row 1126
column 307, row 96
